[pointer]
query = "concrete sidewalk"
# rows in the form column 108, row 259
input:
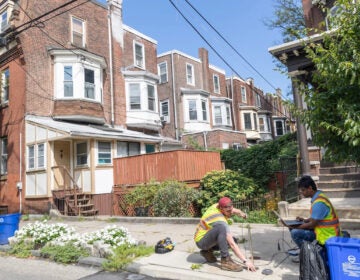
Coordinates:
column 269, row 244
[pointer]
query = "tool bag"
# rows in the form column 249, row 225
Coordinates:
column 164, row 245
column 312, row 263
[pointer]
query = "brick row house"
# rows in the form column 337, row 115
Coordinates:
column 79, row 88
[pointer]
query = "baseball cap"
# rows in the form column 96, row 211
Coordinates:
column 224, row 201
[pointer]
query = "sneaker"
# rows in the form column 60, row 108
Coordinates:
column 228, row 264
column 294, row 252
column 208, row 255
column 295, row 259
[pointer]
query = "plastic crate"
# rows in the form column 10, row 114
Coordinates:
column 344, row 258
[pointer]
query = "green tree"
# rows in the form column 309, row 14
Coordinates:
column 334, row 100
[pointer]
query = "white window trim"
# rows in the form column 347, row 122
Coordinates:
column 98, row 151
column 166, row 118
column 199, row 112
column 135, row 43
column 87, row 154
column 216, row 88
column 192, row 82
column 166, row 72
column 243, row 96
column 36, row 157
column 144, row 101
column 83, row 43
column 3, row 86
column 3, row 170
column 223, row 112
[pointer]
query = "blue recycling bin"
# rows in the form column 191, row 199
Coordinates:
column 344, row 258
column 9, row 223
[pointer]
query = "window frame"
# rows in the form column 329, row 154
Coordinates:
column 5, row 85
column 37, row 159
column 247, row 121
column 243, row 94
column 127, row 148
column 192, row 103
column 68, row 82
column 151, row 100
column 104, row 157
column 81, row 34
column 79, row 157
column 141, row 63
column 2, row 25
column 216, row 82
column 190, row 76
column 163, row 72
column 4, row 155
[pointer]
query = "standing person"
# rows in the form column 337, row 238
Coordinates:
column 323, row 222
column 213, row 233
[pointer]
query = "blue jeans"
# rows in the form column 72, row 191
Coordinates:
column 215, row 239
column 300, row 235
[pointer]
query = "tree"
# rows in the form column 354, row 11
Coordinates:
column 334, row 100
column 289, row 18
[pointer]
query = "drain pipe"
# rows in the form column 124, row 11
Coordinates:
column 174, row 97
column 19, row 184
column 111, row 64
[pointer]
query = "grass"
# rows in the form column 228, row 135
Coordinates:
column 64, row 254
column 125, row 254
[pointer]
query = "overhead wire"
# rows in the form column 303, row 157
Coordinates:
column 221, row 57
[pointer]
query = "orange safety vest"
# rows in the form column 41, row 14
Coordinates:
column 330, row 225
column 212, row 215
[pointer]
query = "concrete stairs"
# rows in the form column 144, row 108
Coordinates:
column 342, row 185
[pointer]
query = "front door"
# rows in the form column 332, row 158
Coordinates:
column 61, row 166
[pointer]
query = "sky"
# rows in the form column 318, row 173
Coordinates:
column 240, row 22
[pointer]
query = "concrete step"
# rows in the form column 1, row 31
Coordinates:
column 339, row 169
column 340, row 176
column 348, row 210
column 338, row 184
column 342, row 192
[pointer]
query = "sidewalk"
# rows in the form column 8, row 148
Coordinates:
column 268, row 243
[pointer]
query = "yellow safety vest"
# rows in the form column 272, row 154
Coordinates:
column 330, row 225
column 212, row 215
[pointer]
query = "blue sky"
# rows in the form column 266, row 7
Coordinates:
column 239, row 21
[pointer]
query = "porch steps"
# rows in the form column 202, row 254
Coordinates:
column 80, row 204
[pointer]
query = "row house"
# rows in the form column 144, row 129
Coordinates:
column 195, row 106
column 78, row 88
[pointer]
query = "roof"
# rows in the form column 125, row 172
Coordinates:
column 94, row 131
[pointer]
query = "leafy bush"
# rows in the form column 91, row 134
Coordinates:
column 219, row 183
column 258, row 217
column 259, row 162
column 174, row 200
column 143, row 195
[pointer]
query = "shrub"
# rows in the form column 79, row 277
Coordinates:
column 219, row 183
column 69, row 253
column 143, row 195
column 174, row 200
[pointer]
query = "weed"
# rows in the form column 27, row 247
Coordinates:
column 68, row 253
column 22, row 249
column 196, row 266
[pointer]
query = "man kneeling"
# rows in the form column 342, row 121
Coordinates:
column 213, row 233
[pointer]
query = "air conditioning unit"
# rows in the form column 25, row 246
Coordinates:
column 164, row 118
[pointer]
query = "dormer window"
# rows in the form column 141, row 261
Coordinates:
column 139, row 55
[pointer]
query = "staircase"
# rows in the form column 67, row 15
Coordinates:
column 342, row 185
column 69, row 199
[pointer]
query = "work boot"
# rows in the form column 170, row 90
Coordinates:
column 228, row 264
column 208, row 255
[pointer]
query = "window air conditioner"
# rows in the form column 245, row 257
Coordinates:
column 164, row 118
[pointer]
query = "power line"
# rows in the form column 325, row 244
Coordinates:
column 221, row 57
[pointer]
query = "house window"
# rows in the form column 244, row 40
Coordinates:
column 151, row 97
column 192, row 110
column 164, row 110
column 36, row 156
column 5, row 75
column 228, row 115
column 4, row 21
column 243, row 95
column 258, row 101
column 135, row 96
column 279, row 128
column 162, row 70
column 4, row 155
column 247, row 121
column 68, row 82
column 149, row 148
column 190, row 74
column 125, row 149
column 139, row 56
column 89, row 84
column 204, row 110
column 262, row 124
column 217, row 113
column 81, row 153
column 255, row 121
column 104, row 152
column 216, row 83
column 78, row 32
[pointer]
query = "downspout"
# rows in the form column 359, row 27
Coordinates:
column 174, row 97
column 19, row 186
column 111, row 64
column 205, row 141
column 233, row 104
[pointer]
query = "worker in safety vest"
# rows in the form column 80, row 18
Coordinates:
column 213, row 233
column 323, row 222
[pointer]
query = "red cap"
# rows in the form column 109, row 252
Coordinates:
column 224, row 201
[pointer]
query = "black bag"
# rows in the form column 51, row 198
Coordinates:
column 164, row 245
column 312, row 262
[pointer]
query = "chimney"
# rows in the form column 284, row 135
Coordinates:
column 204, row 58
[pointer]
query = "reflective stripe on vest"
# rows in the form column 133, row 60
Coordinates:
column 329, row 226
column 211, row 216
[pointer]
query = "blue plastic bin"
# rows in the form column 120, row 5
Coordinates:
column 9, row 223
column 344, row 258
